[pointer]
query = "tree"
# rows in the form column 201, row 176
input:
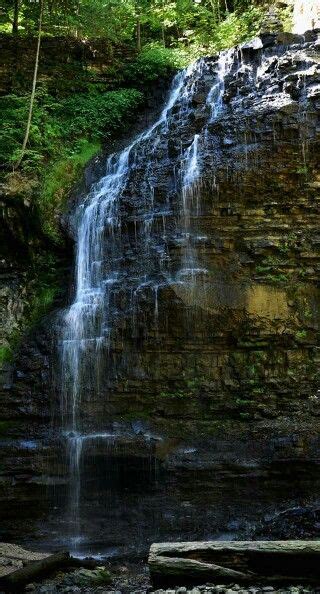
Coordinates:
column 34, row 85
column 15, row 22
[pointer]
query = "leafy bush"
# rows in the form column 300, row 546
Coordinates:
column 14, row 111
column 236, row 28
column 97, row 115
column 154, row 61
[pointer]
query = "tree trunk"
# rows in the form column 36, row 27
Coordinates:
column 215, row 5
column 15, row 22
column 77, row 15
column 13, row 582
column 163, row 38
column 138, row 34
column 163, row 32
column 33, row 92
column 268, row 561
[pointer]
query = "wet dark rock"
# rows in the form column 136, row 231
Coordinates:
column 297, row 522
column 288, row 39
column 268, row 39
column 252, row 46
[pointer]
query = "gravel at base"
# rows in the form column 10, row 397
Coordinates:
column 207, row 589
column 236, row 589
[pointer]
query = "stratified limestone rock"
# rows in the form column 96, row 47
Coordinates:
column 215, row 387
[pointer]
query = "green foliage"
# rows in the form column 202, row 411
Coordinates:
column 154, row 61
column 271, row 266
column 14, row 116
column 178, row 394
column 109, row 19
column 239, row 27
column 71, row 119
column 210, row 35
column 5, row 354
column 301, row 334
column 198, row 27
column 64, row 136
column 286, row 18
column 97, row 115
column 276, row 279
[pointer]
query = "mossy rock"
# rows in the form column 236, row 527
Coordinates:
column 89, row 577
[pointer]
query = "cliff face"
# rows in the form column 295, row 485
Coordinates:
column 211, row 398
column 67, row 65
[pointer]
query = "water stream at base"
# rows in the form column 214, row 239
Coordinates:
column 128, row 198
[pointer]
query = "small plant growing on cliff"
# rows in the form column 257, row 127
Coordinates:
column 301, row 334
column 277, row 278
column 243, row 403
column 245, row 416
column 302, row 170
column 179, row 394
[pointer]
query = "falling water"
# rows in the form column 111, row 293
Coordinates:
column 88, row 323
column 306, row 15
column 215, row 95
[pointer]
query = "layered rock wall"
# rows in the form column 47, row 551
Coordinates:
column 212, row 398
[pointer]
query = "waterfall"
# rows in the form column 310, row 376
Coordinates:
column 137, row 234
column 86, row 347
column 88, row 322
column 306, row 15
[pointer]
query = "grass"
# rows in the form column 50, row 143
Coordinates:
column 62, row 172
column 58, row 180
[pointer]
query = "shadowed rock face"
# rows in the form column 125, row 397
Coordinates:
column 199, row 417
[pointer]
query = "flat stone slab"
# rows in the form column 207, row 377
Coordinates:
column 283, row 561
column 13, row 557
